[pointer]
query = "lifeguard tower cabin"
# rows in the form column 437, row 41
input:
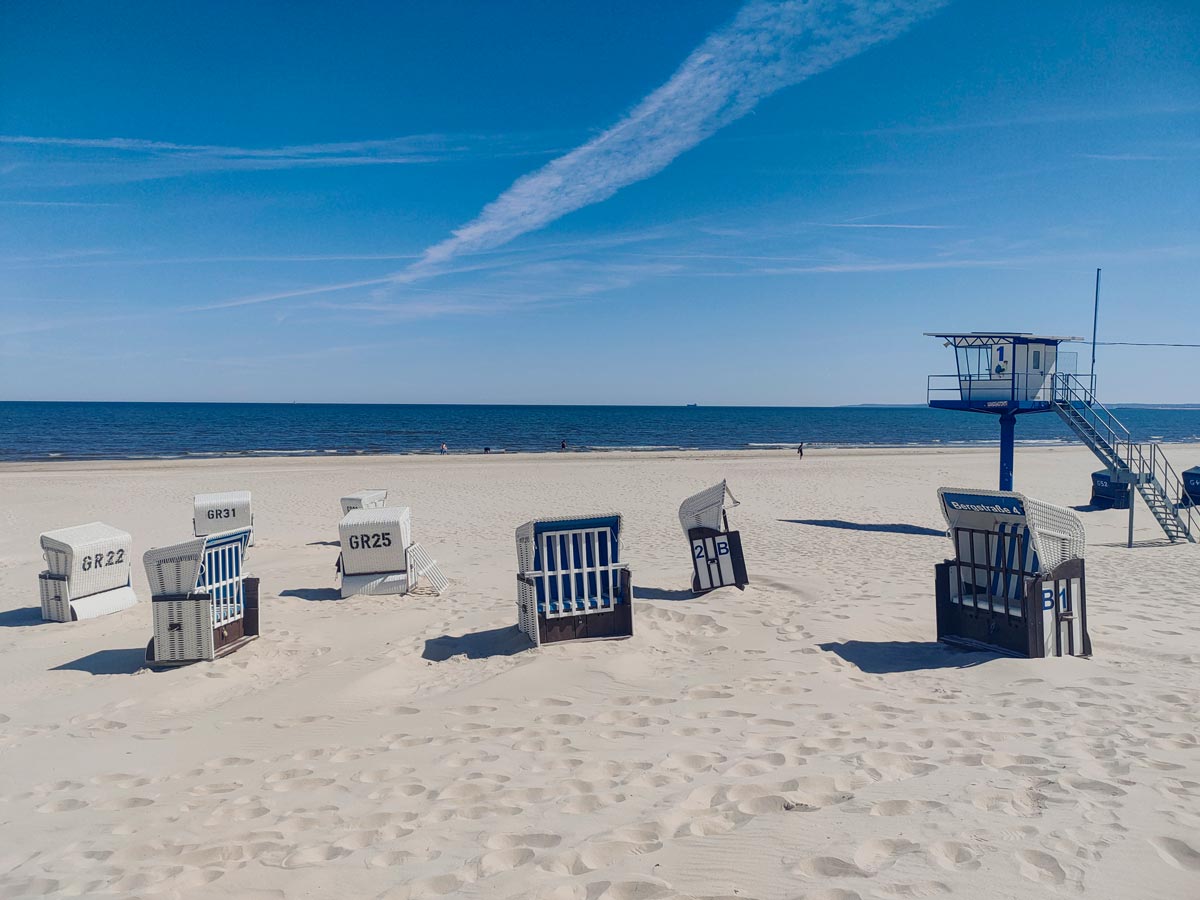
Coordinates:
column 1005, row 374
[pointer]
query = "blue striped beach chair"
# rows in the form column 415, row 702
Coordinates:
column 571, row 582
column 205, row 605
column 1016, row 583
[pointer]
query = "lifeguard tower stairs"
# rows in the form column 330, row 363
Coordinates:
column 1142, row 464
column 1009, row 374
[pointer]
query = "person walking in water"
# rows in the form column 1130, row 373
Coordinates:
column 444, row 448
column 800, row 450
column 563, row 445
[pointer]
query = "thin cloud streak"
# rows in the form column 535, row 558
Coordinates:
column 767, row 47
column 69, row 160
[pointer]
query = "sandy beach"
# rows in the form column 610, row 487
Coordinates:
column 804, row 739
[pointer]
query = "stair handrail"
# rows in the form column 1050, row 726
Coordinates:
column 1156, row 469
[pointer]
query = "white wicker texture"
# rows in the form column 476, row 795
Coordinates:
column 93, row 557
column 226, row 511
column 183, row 630
column 174, row 569
column 56, row 604
column 374, row 541
column 527, row 616
column 379, row 584
column 1058, row 532
column 421, row 565
column 703, row 510
column 368, row 499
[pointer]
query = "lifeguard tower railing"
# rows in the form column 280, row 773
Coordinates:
column 1141, row 463
column 979, row 390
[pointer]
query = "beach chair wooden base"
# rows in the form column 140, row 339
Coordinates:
column 187, row 620
column 613, row 625
column 1048, row 619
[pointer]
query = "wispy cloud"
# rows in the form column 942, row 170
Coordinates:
column 52, row 203
column 70, row 160
column 901, row 226
column 1124, row 157
column 1051, row 117
column 767, row 47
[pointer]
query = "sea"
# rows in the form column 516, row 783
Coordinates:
column 75, row 431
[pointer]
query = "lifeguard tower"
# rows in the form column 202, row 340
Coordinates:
column 1008, row 374
column 1004, row 374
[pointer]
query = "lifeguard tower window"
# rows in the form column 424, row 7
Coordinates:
column 975, row 361
column 1037, row 360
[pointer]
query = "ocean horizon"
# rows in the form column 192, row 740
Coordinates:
column 67, row 430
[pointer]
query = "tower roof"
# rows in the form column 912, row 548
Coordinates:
column 987, row 338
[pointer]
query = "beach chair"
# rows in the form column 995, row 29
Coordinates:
column 1016, row 583
column 215, row 513
column 379, row 556
column 205, row 606
column 717, row 558
column 571, row 583
column 87, row 572
column 368, row 499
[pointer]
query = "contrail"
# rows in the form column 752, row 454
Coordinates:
column 768, row 46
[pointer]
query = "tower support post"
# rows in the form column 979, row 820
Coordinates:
column 1008, row 422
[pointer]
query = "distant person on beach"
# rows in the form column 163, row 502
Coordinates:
column 444, row 449
column 800, row 451
column 563, row 445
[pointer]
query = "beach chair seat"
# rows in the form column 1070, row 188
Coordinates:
column 1016, row 583
column 379, row 556
column 716, row 552
column 366, row 499
column 227, row 511
column 204, row 604
column 571, row 583
column 87, row 572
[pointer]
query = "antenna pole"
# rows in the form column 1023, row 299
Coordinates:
column 1095, row 321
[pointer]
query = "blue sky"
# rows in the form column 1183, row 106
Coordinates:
column 715, row 202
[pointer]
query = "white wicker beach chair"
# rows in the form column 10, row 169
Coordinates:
column 368, row 499
column 87, row 572
column 716, row 552
column 1016, row 582
column 571, row 583
column 379, row 556
column 205, row 605
column 215, row 513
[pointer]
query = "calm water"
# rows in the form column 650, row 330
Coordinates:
column 166, row 430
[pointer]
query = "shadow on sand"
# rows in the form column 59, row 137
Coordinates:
column 649, row 593
column 889, row 528
column 477, row 645
column 107, row 662
column 882, row 657
column 323, row 544
column 314, row 594
column 21, row 618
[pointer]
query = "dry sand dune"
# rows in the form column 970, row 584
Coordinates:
column 803, row 739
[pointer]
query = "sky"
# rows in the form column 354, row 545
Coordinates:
column 747, row 203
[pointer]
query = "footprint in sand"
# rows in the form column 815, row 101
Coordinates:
column 1177, row 853
column 1038, row 866
column 828, row 867
column 538, row 840
column 952, row 855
